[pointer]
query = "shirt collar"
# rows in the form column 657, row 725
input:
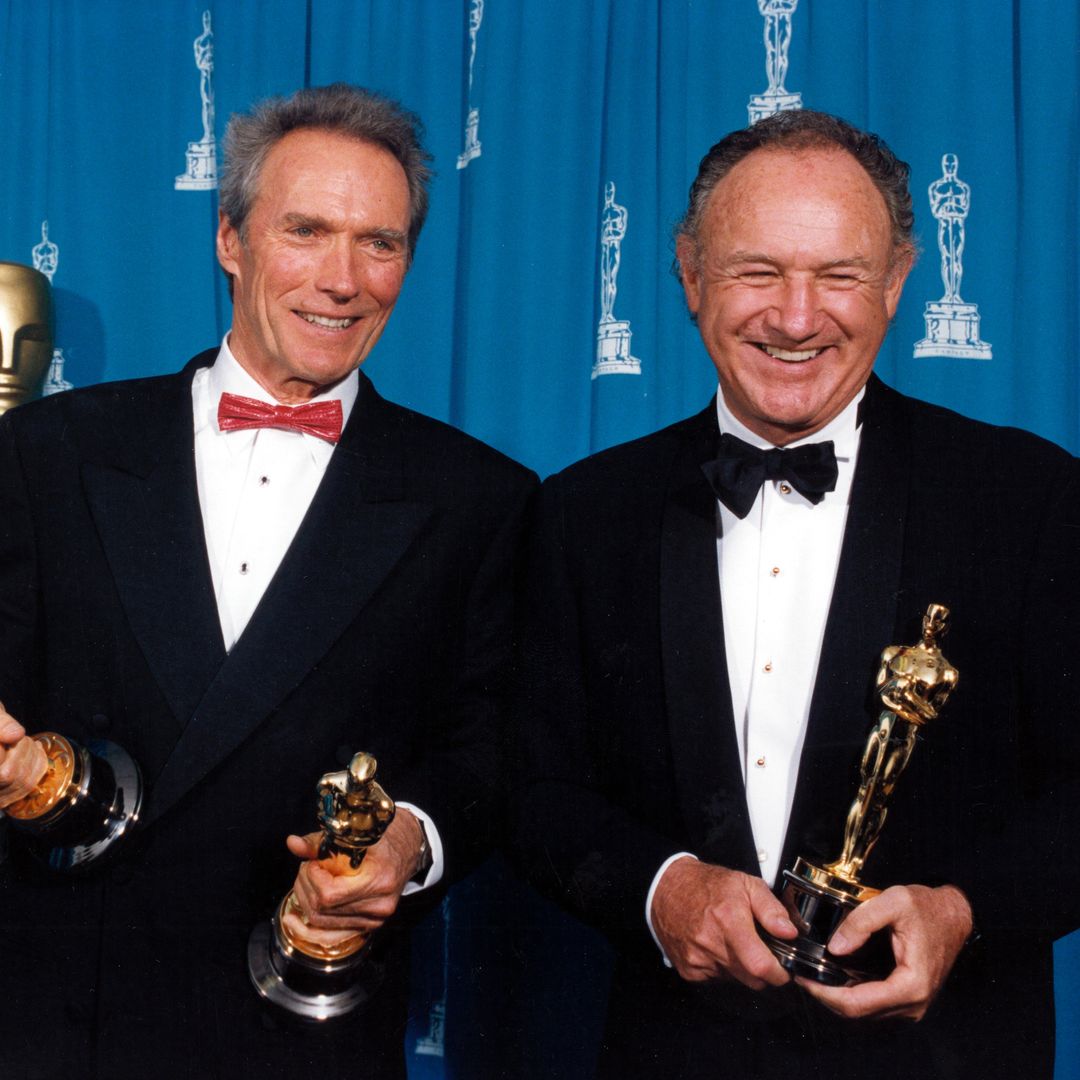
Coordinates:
column 842, row 429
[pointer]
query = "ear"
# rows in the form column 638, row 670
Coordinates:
column 686, row 253
column 902, row 263
column 228, row 245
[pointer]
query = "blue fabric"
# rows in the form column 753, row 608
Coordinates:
column 497, row 330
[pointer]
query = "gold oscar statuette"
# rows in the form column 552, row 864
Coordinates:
column 89, row 797
column 306, row 978
column 25, row 333
column 913, row 682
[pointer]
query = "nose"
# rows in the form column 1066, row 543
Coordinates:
column 795, row 312
column 339, row 271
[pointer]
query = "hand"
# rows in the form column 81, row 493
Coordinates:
column 928, row 928
column 336, row 906
column 704, row 918
column 22, row 760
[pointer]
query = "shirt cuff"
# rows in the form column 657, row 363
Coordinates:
column 435, row 871
column 652, row 892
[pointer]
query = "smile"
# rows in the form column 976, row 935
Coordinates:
column 324, row 321
column 791, row 356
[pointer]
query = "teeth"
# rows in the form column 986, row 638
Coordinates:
column 795, row 357
column 322, row 320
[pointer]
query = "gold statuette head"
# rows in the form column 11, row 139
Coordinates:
column 25, row 333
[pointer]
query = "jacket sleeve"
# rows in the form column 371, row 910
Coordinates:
column 19, row 660
column 571, row 840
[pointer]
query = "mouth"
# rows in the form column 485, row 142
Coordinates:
column 326, row 322
column 790, row 356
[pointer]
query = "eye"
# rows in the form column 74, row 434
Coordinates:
column 303, row 231
column 762, row 275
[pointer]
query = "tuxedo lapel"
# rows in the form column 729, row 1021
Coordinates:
column 862, row 621
column 356, row 530
column 698, row 696
column 139, row 481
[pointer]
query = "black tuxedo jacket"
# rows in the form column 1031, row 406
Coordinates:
column 628, row 749
column 385, row 629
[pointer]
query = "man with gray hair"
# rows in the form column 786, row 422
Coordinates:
column 244, row 574
column 706, row 611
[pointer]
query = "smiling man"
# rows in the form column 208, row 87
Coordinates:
column 707, row 610
column 244, row 574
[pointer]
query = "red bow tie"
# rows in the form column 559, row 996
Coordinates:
column 319, row 418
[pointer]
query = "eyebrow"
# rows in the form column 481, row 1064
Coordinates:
column 760, row 257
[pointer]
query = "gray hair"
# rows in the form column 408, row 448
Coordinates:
column 804, row 129
column 339, row 108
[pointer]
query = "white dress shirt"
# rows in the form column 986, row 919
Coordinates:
column 255, row 486
column 777, row 570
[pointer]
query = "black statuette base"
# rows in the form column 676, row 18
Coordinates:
column 816, row 912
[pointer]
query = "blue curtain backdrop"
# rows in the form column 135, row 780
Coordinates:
column 532, row 109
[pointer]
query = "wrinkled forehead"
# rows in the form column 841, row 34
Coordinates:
column 25, row 308
column 824, row 188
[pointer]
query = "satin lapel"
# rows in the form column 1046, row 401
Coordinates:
column 140, row 485
column 355, row 532
column 862, row 621
column 702, row 729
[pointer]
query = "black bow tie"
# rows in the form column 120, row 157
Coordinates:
column 740, row 469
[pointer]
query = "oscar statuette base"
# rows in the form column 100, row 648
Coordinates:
column 310, row 988
column 91, row 797
column 817, row 901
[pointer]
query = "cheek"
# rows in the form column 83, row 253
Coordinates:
column 288, row 272
column 862, row 316
column 384, row 282
column 726, row 318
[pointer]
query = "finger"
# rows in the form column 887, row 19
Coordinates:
column 874, row 914
column 366, row 911
column 891, row 997
column 11, row 731
column 753, row 962
column 326, row 921
column 21, row 769
column 332, row 892
column 307, row 931
column 302, row 891
column 315, row 887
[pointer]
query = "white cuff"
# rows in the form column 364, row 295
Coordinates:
column 652, row 891
column 435, row 871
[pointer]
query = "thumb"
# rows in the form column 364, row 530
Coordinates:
column 304, row 847
column 855, row 930
column 770, row 914
column 11, row 731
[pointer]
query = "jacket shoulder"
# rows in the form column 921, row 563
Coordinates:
column 642, row 463
column 456, row 463
column 988, row 453
column 106, row 407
